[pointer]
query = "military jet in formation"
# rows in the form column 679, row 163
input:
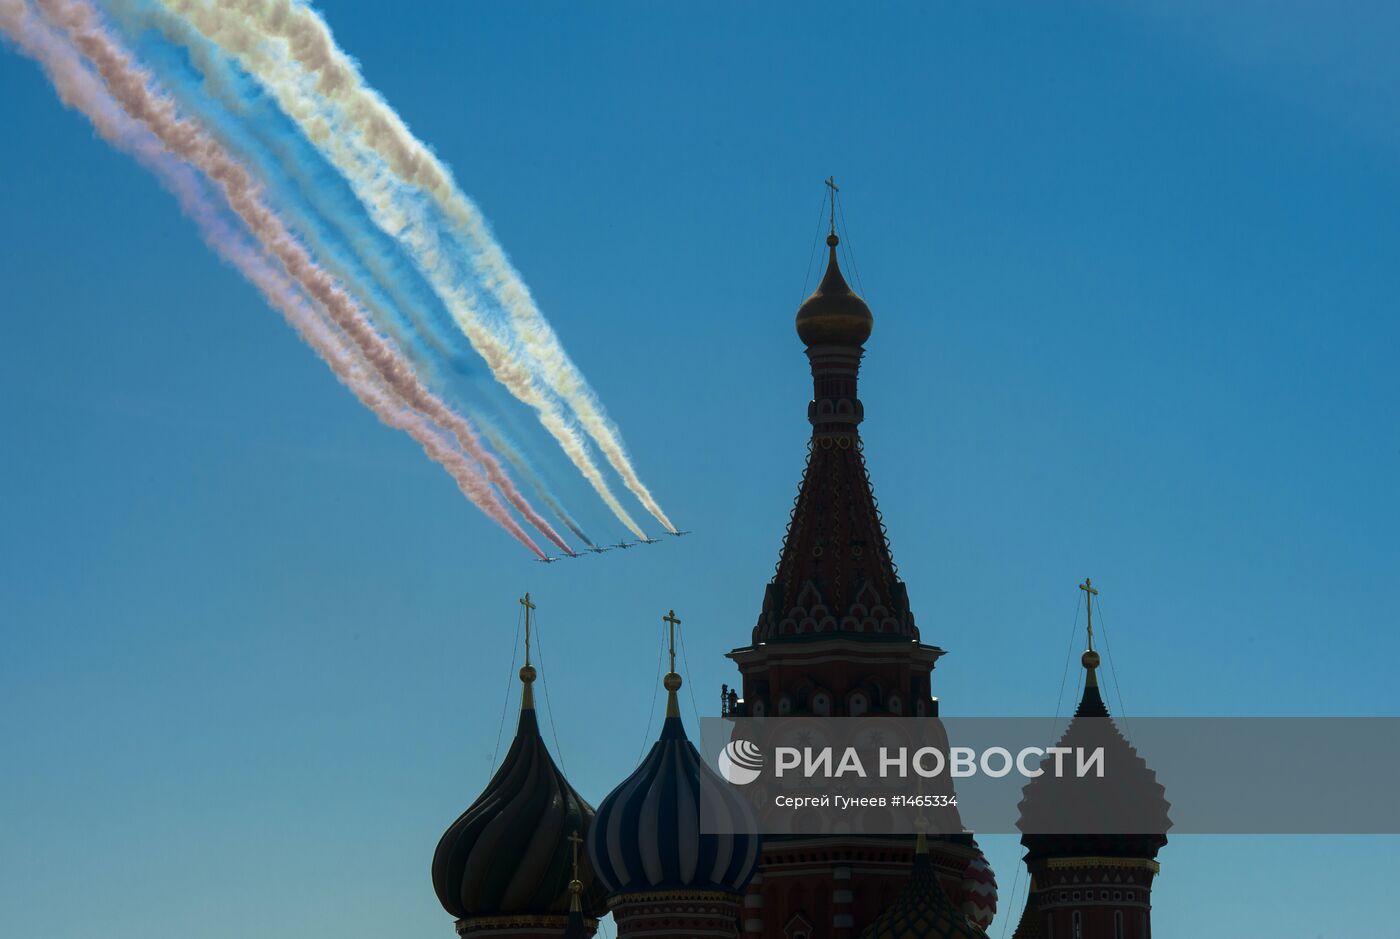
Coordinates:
column 603, row 549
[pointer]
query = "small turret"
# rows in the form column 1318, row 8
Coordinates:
column 1093, row 884
column 922, row 910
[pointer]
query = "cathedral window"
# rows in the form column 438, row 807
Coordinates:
column 1077, row 925
column 1117, row 924
column 859, row 704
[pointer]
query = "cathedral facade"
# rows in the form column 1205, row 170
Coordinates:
column 835, row 636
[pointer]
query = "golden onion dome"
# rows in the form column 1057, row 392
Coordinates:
column 834, row 315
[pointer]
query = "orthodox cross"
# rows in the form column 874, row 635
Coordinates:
column 575, row 840
column 1090, row 592
column 831, row 184
column 673, row 620
column 525, row 602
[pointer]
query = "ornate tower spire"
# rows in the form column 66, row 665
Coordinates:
column 836, row 637
column 835, row 573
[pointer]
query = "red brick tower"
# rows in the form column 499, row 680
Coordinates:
column 836, row 637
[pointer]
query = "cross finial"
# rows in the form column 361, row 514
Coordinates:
column 575, row 885
column 525, row 602
column 575, row 840
column 673, row 620
column 831, row 184
column 1090, row 592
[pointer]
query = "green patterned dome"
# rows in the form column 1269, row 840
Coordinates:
column 922, row 910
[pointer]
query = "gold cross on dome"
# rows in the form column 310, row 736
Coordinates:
column 1090, row 592
column 674, row 621
column 831, row 184
column 525, row 602
column 575, row 840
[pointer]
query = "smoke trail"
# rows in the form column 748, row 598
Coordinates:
column 80, row 89
column 506, row 449
column 128, row 84
column 325, row 213
column 363, row 170
column 239, row 24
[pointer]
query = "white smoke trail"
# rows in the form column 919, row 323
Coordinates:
column 331, row 225
column 367, row 174
column 79, row 88
column 241, row 26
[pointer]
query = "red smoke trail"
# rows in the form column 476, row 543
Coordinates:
column 80, row 89
column 131, row 87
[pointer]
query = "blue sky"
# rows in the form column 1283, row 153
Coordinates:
column 1133, row 278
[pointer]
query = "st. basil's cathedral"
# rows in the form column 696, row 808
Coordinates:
column 531, row 859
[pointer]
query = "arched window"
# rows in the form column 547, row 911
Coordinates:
column 894, row 705
column 1117, row 924
column 784, row 705
column 1077, row 925
column 821, row 704
column 859, row 705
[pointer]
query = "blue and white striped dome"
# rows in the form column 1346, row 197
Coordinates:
column 646, row 835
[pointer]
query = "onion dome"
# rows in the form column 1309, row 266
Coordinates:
column 647, row 834
column 509, row 854
column 979, row 890
column 1126, row 802
column 834, row 315
column 922, row 910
